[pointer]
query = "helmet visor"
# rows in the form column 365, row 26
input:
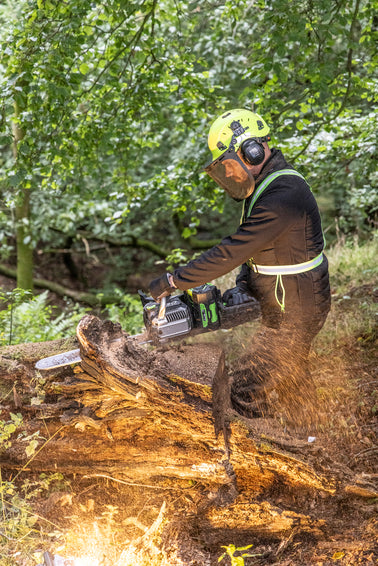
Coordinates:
column 230, row 173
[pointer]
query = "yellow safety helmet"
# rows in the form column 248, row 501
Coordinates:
column 236, row 141
column 223, row 131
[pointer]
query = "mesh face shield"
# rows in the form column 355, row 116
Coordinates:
column 230, row 173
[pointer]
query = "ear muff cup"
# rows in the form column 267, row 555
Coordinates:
column 253, row 152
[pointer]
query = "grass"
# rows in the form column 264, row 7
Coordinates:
column 352, row 264
column 354, row 283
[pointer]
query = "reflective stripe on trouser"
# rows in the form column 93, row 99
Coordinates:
column 286, row 269
column 280, row 270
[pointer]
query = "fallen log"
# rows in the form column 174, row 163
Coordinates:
column 158, row 418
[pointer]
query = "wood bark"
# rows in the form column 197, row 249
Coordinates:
column 158, row 417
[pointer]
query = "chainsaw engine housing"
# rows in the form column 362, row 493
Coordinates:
column 176, row 322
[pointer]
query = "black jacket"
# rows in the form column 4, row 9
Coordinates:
column 283, row 228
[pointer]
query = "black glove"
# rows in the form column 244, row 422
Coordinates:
column 243, row 278
column 236, row 296
column 161, row 286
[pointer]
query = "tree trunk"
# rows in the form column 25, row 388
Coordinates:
column 24, row 248
column 159, row 418
column 22, row 217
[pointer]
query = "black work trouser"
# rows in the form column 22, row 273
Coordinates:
column 278, row 360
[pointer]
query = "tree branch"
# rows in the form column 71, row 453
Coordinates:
column 197, row 244
column 312, row 137
column 90, row 299
column 134, row 242
column 131, row 242
column 134, row 39
column 349, row 65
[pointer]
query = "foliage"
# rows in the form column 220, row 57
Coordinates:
column 17, row 522
column 236, row 560
column 7, row 428
column 22, row 538
column 13, row 299
column 16, row 519
column 114, row 99
column 176, row 257
column 353, row 317
column 129, row 315
column 51, row 482
column 20, row 535
column 28, row 318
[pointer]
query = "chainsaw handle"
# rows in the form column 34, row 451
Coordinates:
column 163, row 305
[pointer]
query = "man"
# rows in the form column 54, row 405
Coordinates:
column 279, row 246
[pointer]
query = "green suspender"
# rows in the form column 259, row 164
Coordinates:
column 280, row 270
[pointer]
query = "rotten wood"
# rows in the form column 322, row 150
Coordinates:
column 158, row 417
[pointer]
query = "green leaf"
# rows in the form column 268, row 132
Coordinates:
column 31, row 448
column 84, row 68
column 186, row 233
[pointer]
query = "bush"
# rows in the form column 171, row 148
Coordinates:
column 28, row 318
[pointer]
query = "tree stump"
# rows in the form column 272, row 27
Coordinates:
column 160, row 418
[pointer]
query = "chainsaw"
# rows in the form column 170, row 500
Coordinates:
column 195, row 311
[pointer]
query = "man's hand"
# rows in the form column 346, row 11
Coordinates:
column 236, row 296
column 162, row 286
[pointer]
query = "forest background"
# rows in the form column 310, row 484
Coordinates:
column 105, row 111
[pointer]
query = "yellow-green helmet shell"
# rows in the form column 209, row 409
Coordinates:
column 220, row 134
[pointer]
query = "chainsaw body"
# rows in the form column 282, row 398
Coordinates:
column 195, row 311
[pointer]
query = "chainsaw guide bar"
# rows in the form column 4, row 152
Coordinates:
column 65, row 359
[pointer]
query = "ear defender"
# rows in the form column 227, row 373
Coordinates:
column 253, row 151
